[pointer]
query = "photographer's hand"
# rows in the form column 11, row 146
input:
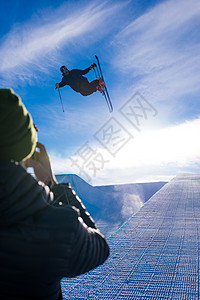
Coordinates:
column 42, row 166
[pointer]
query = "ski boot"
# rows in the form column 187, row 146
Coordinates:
column 101, row 85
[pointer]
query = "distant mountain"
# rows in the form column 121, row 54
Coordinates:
column 111, row 205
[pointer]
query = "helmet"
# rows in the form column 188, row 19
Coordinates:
column 63, row 69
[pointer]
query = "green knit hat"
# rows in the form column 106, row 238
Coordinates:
column 18, row 136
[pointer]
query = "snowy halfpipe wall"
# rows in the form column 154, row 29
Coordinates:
column 155, row 254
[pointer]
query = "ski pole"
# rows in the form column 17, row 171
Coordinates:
column 60, row 99
column 95, row 72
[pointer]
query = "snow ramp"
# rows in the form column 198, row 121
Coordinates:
column 155, row 254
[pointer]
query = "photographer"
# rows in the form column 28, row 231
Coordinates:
column 46, row 233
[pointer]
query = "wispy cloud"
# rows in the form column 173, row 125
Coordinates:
column 28, row 43
column 162, row 46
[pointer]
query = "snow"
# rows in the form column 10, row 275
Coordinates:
column 110, row 206
column 154, row 254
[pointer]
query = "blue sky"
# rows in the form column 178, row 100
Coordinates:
column 149, row 51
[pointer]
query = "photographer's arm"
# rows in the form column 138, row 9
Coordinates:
column 42, row 166
column 63, row 193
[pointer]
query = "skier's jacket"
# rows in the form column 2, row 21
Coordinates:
column 44, row 236
column 75, row 79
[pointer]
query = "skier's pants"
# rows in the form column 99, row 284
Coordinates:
column 87, row 88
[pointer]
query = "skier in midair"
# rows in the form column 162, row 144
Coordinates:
column 78, row 82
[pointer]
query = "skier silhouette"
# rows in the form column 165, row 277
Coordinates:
column 78, row 82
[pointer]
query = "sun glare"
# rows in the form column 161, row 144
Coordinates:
column 178, row 144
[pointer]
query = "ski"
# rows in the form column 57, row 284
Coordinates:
column 105, row 92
